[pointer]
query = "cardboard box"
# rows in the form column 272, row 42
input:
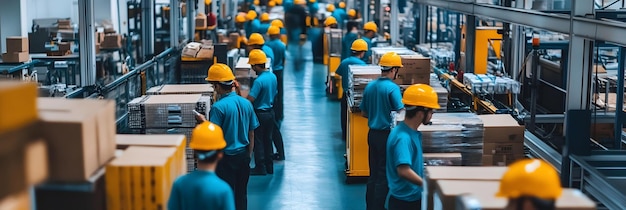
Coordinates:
column 17, row 44
column 100, row 37
column 503, row 149
column 501, row 128
column 17, row 201
column 191, row 49
column 111, row 41
column 447, row 191
column 409, row 79
column 81, row 136
column 485, row 199
column 442, row 159
column 416, row 70
column 65, row 46
column 18, row 104
column 500, row 160
column 435, row 173
column 179, row 142
column 23, row 161
column 205, row 52
column 15, row 57
column 201, row 21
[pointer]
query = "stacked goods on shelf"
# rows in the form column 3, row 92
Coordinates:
column 361, row 76
column 17, row 50
column 203, row 49
column 168, row 114
column 64, row 24
column 455, row 133
column 442, row 159
column 503, row 140
column 442, row 92
column 204, row 89
column 23, row 153
column 178, row 142
column 487, row 83
column 142, row 177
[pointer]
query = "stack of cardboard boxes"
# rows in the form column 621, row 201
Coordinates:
column 503, row 140
column 23, row 153
column 203, row 49
column 111, row 41
column 455, row 133
column 17, row 50
column 416, row 70
column 65, row 24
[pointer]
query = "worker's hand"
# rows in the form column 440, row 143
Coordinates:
column 200, row 118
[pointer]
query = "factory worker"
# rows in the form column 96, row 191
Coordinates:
column 352, row 14
column 236, row 116
column 358, row 50
column 240, row 20
column 340, row 13
column 283, row 32
column 253, row 24
column 313, row 8
column 331, row 22
column 530, row 184
column 256, row 41
column 380, row 98
column 295, row 21
column 405, row 161
column 369, row 32
column 265, row 23
column 203, row 189
column 262, row 94
column 351, row 35
column 279, row 50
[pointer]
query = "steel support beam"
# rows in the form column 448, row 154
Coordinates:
column 174, row 23
column 470, row 43
column 365, row 10
column 394, row 26
column 423, row 18
column 147, row 29
column 87, row 51
column 620, row 100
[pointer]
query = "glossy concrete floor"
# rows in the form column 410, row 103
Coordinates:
column 312, row 176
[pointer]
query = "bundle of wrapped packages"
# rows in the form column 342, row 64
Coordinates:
column 455, row 133
column 487, row 83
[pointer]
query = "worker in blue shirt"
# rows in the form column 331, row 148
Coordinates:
column 253, row 25
column 283, row 31
column 279, row 50
column 380, row 98
column 256, row 41
column 262, row 95
column 340, row 14
column 351, row 35
column 203, row 189
column 405, row 161
column 236, row 116
column 369, row 32
column 265, row 23
column 358, row 50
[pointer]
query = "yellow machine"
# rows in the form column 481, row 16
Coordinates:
column 334, row 38
column 485, row 37
column 356, row 146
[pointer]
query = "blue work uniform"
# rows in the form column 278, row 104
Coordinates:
column 347, row 44
column 368, row 54
column 269, row 53
column 404, row 147
column 380, row 97
column 263, row 27
column 253, row 26
column 340, row 14
column 264, row 89
column 278, row 49
column 201, row 190
column 344, row 71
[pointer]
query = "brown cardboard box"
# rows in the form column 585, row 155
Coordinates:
column 17, row 44
column 501, row 128
column 111, row 41
column 201, row 20
column 191, row 49
column 18, row 105
column 500, row 160
column 503, row 149
column 409, row 79
column 571, row 199
column 23, row 160
column 17, row 201
column 15, row 57
column 442, row 159
column 205, row 52
column 65, row 46
column 100, row 37
column 435, row 173
column 416, row 70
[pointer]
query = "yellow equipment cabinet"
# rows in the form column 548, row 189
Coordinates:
column 486, row 37
column 333, row 44
column 356, row 146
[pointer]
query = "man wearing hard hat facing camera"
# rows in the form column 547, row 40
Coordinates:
column 405, row 162
column 203, row 189
column 530, row 184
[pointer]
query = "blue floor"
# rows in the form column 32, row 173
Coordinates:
column 312, row 176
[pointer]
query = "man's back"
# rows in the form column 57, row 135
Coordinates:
column 279, row 50
column 236, row 115
column 201, row 190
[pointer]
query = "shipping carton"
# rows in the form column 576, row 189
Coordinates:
column 205, row 52
column 17, row 44
column 15, row 57
column 501, row 128
column 201, row 21
column 435, row 173
column 191, row 49
column 501, row 159
column 484, row 198
column 23, row 161
column 179, row 142
column 415, row 70
column 503, row 149
column 18, row 104
column 111, row 41
column 15, row 201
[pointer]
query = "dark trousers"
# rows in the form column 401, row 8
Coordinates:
column 263, row 161
column 397, row 204
column 344, row 116
column 277, row 138
column 235, row 170
column 377, row 188
column 278, row 101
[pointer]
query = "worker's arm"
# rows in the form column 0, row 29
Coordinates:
column 396, row 100
column 175, row 197
column 405, row 172
column 250, row 98
column 254, row 124
column 251, row 145
column 254, row 91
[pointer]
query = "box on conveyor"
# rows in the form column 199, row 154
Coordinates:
column 80, row 134
column 481, row 195
column 141, row 178
column 436, row 173
column 442, row 159
column 456, row 133
column 503, row 139
column 415, row 70
column 18, row 104
column 179, row 142
column 204, row 89
column 166, row 111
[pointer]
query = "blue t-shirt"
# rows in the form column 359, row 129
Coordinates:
column 263, row 28
column 343, row 70
column 366, row 58
column 346, row 52
column 380, row 97
column 253, row 26
column 340, row 14
column 269, row 53
column 264, row 90
column 201, row 190
column 236, row 116
column 279, row 50
column 404, row 147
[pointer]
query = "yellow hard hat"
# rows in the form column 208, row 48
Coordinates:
column 342, row 4
column 265, row 17
column 273, row 30
column 330, row 20
column 207, row 2
column 251, row 15
column 220, row 73
column 421, row 95
column 207, row 136
column 271, row 3
column 371, row 26
column 300, row 2
column 330, row 8
column 279, row 2
column 532, row 178
column 359, row 45
column 257, row 57
column 390, row 59
column 256, row 2
column 256, row 39
column 312, row 1
column 240, row 18
column 352, row 13
column 277, row 23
